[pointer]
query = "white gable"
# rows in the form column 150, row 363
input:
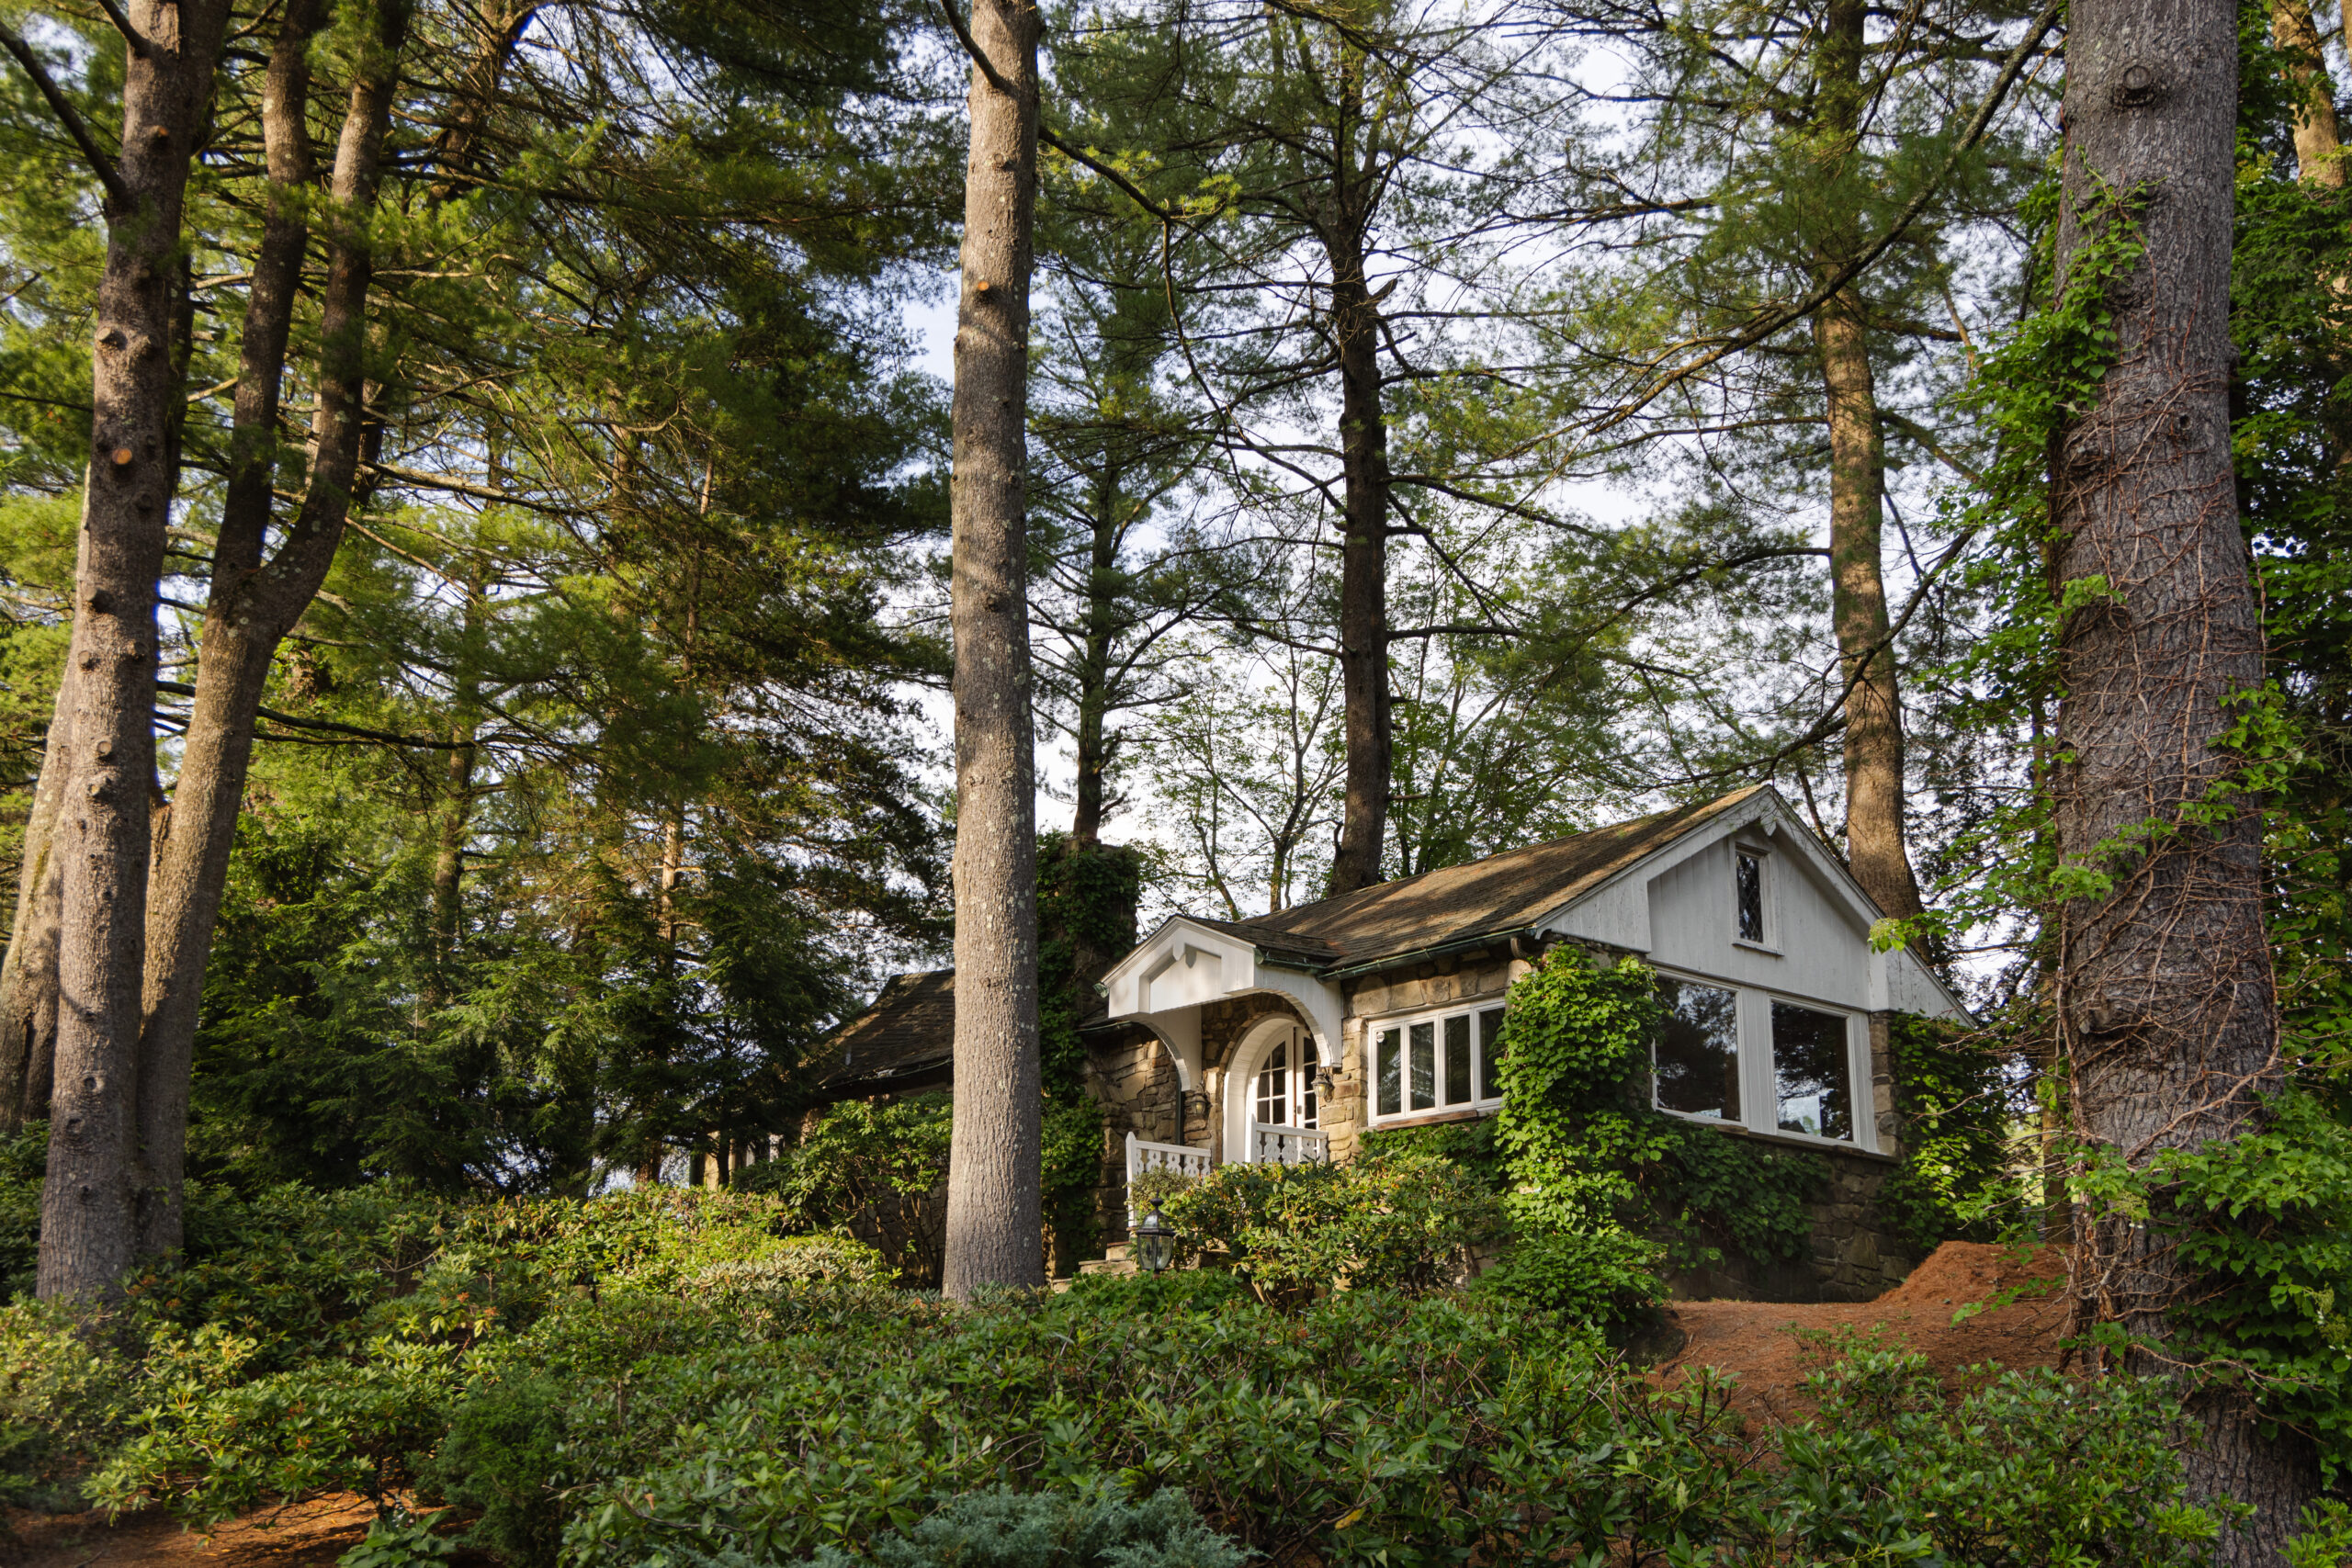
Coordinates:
column 1677, row 908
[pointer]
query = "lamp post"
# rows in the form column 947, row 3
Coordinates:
column 1155, row 1240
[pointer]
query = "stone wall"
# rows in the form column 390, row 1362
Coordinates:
column 1854, row 1255
column 1135, row 1080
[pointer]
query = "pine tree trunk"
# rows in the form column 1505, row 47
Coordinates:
column 1089, row 742
column 2164, row 999
column 1364, row 569
column 993, row 1180
column 88, row 1202
column 1874, row 788
column 2316, row 134
column 28, row 974
column 251, row 606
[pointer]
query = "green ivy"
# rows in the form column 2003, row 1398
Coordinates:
column 1086, row 910
column 1588, row 1155
column 1955, row 1106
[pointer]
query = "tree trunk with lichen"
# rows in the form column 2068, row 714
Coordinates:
column 102, row 834
column 2165, row 999
column 257, row 597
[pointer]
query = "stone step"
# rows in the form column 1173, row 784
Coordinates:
column 1114, row 1260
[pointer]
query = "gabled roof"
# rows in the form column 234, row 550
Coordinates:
column 908, row 1032
column 1495, row 896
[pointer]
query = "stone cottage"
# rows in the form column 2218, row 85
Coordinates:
column 1288, row 1036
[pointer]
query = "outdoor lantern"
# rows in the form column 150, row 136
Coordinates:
column 1322, row 1084
column 1155, row 1247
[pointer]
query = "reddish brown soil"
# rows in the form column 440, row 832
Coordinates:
column 311, row 1534
column 1770, row 1348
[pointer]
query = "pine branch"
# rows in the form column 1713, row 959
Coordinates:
column 119, row 201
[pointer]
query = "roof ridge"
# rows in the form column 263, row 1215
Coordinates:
column 1647, row 817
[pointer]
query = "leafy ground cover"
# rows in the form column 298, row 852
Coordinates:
column 667, row 1377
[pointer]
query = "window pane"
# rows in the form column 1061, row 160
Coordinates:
column 1392, row 1082
column 1424, row 1065
column 1698, row 1051
column 1457, row 1060
column 1809, row 1063
column 1751, row 896
column 1491, row 1053
column 1273, row 1091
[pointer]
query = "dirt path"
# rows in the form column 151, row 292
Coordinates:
column 1766, row 1349
column 313, row 1533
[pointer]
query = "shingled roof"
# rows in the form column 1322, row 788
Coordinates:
column 905, row 1039
column 908, row 1034
column 1458, row 904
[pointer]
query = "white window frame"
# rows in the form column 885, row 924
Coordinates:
column 1479, row 1101
column 1760, row 1089
column 1768, row 898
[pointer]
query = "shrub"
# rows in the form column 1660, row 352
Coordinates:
column 501, row 1457
column 1604, row 1279
column 1179, row 1290
column 1407, row 1223
column 796, row 1260
column 1092, row 1527
column 55, row 1388
column 1156, row 1187
column 2030, row 1470
column 881, row 1166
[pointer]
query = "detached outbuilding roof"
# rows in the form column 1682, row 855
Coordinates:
column 1460, row 904
column 908, row 1034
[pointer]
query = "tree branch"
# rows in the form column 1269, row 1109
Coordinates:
column 1982, row 121
column 122, row 25
column 328, row 725
column 119, row 201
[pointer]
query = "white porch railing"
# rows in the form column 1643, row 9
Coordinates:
column 1183, row 1161
column 1273, row 1144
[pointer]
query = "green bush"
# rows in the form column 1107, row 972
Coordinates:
column 1150, row 1187
column 1093, row 1527
column 1605, row 1279
column 501, row 1457
column 55, row 1390
column 796, row 1260
column 1407, row 1223
column 399, row 1540
column 576, row 1380
column 2030, row 1470
column 1179, row 1290
column 881, row 1166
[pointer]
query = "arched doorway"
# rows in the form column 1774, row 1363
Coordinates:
column 1271, row 1089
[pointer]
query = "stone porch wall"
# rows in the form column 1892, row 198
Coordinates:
column 1135, row 1080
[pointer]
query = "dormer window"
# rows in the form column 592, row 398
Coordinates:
column 1747, row 893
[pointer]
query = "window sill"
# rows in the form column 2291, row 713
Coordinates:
column 1430, row 1117
column 1767, row 949
column 1807, row 1141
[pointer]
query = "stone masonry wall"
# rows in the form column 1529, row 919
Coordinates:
column 1135, row 1080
